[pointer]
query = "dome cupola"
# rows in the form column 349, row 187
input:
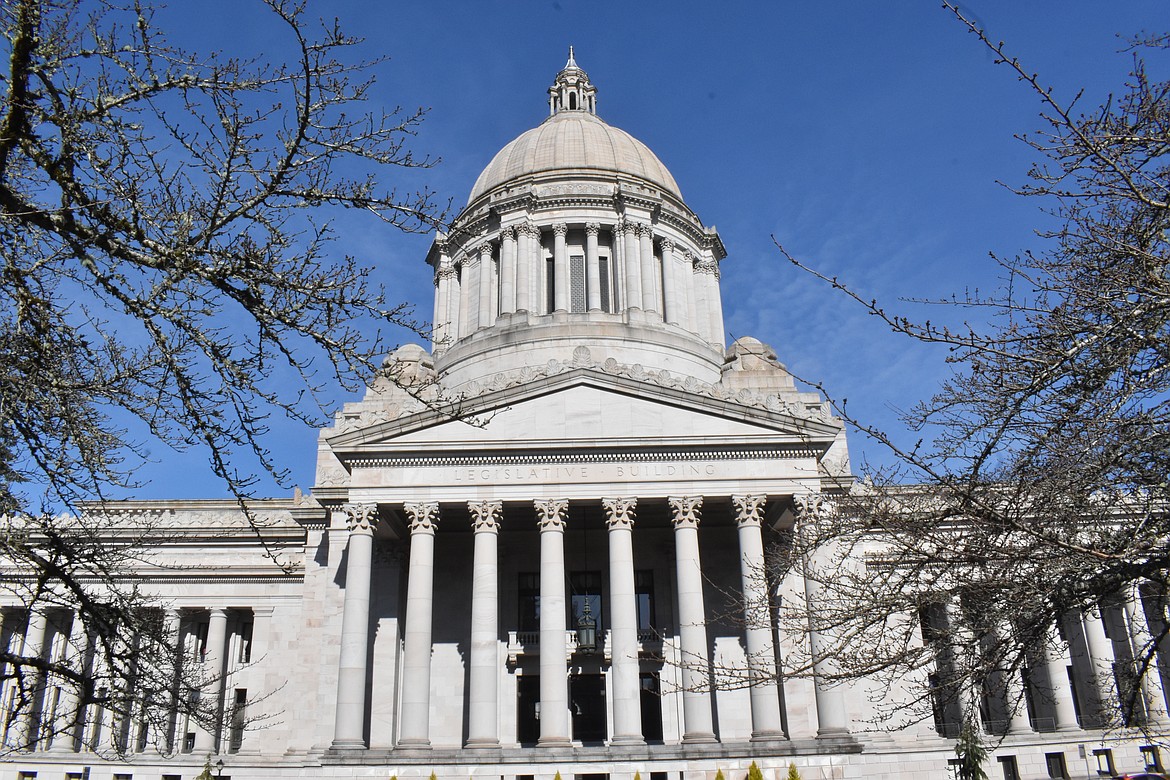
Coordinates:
column 576, row 236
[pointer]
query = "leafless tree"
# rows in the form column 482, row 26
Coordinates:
column 167, row 275
column 1040, row 488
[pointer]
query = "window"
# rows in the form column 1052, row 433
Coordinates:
column 577, row 284
column 172, row 777
column 245, row 640
column 586, row 589
column 953, row 765
column 550, row 285
column 1152, row 758
column 123, row 776
column 644, row 595
column 74, row 776
column 1104, row 758
column 528, row 602
column 237, row 718
column 603, row 278
column 26, row 776
column 1056, row 765
column 1008, row 765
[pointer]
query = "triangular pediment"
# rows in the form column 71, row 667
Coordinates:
column 588, row 410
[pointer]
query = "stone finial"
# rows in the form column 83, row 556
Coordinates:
column 686, row 510
column 619, row 512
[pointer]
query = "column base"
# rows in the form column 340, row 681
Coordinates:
column 834, row 733
column 691, row 738
column 347, row 744
column 482, row 744
column 554, row 742
column 768, row 736
column 413, row 743
column 627, row 739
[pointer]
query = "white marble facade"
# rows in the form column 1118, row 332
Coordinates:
column 579, row 435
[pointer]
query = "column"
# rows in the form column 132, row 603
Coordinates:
column 525, row 268
column 508, row 271
column 692, row 620
column 626, row 232
column 623, row 632
column 649, row 272
column 1101, row 653
column 415, row 730
column 696, row 282
column 708, row 271
column 485, row 286
column 1013, row 686
column 32, row 647
column 554, row 683
column 447, row 297
column 560, row 267
column 63, row 729
column 483, row 730
column 670, row 293
column 832, row 720
column 349, row 721
column 469, row 294
column 757, row 614
column 207, row 741
column 593, row 267
column 1056, row 660
column 1145, row 657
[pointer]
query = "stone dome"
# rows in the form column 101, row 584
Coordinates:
column 574, row 141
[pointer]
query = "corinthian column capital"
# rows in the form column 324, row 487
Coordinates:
column 686, row 510
column 619, row 512
column 361, row 518
column 485, row 515
column 551, row 513
column 424, row 517
column 749, row 510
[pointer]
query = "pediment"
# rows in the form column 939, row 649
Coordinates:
column 587, row 410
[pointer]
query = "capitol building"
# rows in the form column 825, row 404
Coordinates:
column 536, row 547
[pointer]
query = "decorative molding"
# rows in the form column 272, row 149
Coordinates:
column 619, row 512
column 707, row 266
column 552, row 513
column 508, row 233
column 424, row 517
column 749, row 510
column 592, row 228
column 686, row 511
column 361, row 518
column 557, row 458
column 667, row 246
column 560, row 229
column 485, row 515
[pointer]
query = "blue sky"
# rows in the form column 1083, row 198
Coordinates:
column 867, row 137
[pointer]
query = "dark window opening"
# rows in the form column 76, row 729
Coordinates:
column 1056, row 765
column 651, row 701
column 644, row 596
column 577, row 284
column 603, row 278
column 585, row 587
column 1010, row 770
column 528, row 602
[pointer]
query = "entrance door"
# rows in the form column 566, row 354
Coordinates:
column 527, row 714
column 587, row 703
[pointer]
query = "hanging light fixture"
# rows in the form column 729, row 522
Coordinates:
column 586, row 629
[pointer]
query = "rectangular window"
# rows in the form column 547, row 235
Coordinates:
column 1104, row 760
column 953, row 766
column 1008, row 765
column 1152, row 757
column 577, row 303
column 603, row 278
column 644, row 595
column 1056, row 765
column 245, row 656
column 123, row 776
column 26, row 776
column 585, row 587
column 74, row 776
column 550, row 285
column 237, row 718
column 528, row 602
